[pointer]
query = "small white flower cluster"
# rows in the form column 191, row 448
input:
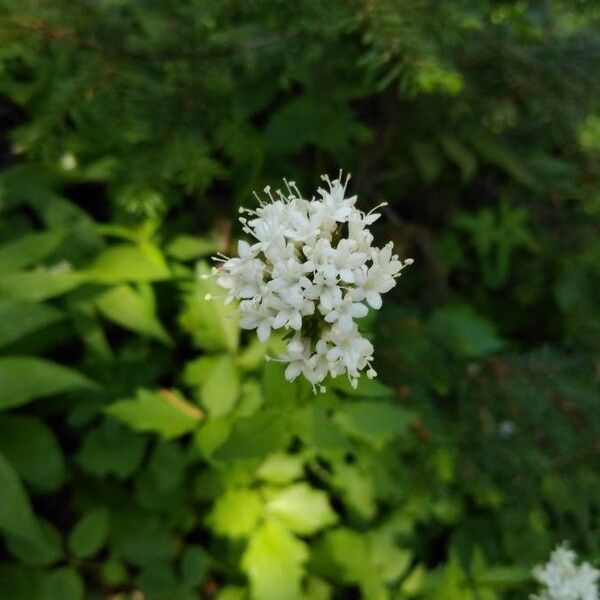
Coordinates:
column 564, row 580
column 310, row 269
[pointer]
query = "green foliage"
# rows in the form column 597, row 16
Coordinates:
column 146, row 447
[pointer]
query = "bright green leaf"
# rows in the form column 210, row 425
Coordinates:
column 164, row 412
column 274, row 562
column 281, row 468
column 126, row 262
column 222, row 387
column 187, row 247
column 236, row 513
column 303, row 509
column 133, row 309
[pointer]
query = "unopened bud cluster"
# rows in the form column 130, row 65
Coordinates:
column 311, row 268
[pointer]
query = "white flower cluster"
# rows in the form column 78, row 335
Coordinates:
column 564, row 580
column 310, row 269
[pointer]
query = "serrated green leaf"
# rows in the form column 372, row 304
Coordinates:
column 303, row 509
column 164, row 412
column 255, row 436
column 133, row 309
column 236, row 513
column 25, row 378
column 30, row 446
column 111, row 449
column 89, row 533
column 274, row 562
column 18, row 319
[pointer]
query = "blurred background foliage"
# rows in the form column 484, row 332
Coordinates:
column 146, row 450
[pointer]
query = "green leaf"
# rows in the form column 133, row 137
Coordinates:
column 40, row 284
column 276, row 389
column 374, row 421
column 274, row 562
column 18, row 319
column 281, row 468
column 212, row 435
column 222, row 387
column 164, row 412
column 464, row 332
column 187, row 247
column 514, row 165
column 62, row 584
column 366, row 388
column 16, row 514
column 140, row 538
column 212, row 324
column 30, row 446
column 90, row 533
column 111, row 448
column 194, row 565
column 197, row 371
column 461, row 155
column 303, row 509
column 317, row 429
column 34, row 552
column 133, row 309
column 126, row 262
column 236, row 513
column 19, row 582
column 357, row 490
column 429, row 160
column 25, row 378
column 28, row 250
column 255, row 436
column 158, row 580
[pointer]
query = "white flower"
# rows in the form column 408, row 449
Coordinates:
column 564, row 580
column 308, row 269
